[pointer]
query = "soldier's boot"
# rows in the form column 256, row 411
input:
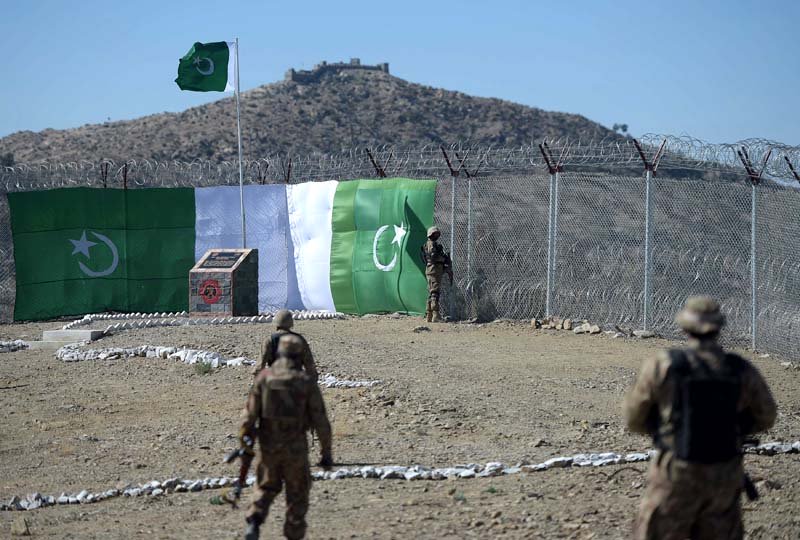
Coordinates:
column 251, row 533
column 435, row 310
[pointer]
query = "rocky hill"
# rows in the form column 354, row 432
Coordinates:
column 338, row 109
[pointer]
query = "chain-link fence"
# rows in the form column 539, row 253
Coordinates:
column 526, row 244
column 702, row 239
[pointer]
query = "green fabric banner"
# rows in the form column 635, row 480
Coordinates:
column 205, row 68
column 85, row 250
column 378, row 227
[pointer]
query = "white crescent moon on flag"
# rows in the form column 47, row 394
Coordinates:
column 114, row 258
column 378, row 265
column 207, row 71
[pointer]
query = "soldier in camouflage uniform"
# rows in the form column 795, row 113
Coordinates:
column 284, row 322
column 697, row 404
column 437, row 263
column 283, row 405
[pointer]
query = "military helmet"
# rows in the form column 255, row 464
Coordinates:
column 283, row 319
column 433, row 230
column 290, row 346
column 701, row 316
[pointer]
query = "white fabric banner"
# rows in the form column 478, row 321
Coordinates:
column 218, row 225
column 310, row 209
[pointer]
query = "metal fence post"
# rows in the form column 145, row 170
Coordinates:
column 753, row 280
column 469, row 231
column 553, row 167
column 650, row 168
column 550, row 247
column 452, row 241
column 755, row 180
column 648, row 263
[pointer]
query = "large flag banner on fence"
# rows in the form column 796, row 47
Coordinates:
column 84, row 250
column 348, row 246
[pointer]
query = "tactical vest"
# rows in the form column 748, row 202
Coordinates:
column 705, row 423
column 433, row 253
column 275, row 338
column 284, row 402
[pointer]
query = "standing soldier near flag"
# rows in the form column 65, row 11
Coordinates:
column 283, row 405
column 437, row 263
column 698, row 404
column 269, row 349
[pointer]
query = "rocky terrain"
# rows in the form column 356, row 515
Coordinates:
column 341, row 110
column 452, row 394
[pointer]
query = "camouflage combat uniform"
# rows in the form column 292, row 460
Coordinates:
column 694, row 499
column 283, row 405
column 437, row 263
column 269, row 348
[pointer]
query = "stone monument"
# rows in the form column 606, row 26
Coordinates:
column 224, row 282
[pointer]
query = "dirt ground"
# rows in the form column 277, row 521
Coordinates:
column 460, row 393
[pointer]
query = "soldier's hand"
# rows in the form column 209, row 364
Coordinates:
column 326, row 462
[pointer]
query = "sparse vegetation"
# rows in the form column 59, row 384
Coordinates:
column 203, row 368
column 363, row 109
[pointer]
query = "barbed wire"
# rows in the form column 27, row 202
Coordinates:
column 683, row 155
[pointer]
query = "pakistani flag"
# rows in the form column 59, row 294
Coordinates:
column 338, row 246
column 208, row 67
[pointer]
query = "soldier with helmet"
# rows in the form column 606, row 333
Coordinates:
column 283, row 405
column 269, row 349
column 437, row 263
column 698, row 404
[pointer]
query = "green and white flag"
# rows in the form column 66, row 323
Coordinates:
column 347, row 246
column 208, row 67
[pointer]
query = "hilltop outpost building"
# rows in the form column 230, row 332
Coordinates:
column 313, row 75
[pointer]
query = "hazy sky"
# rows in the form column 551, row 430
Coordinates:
column 717, row 70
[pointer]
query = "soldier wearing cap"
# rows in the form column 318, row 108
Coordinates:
column 697, row 404
column 269, row 349
column 437, row 263
column 283, row 405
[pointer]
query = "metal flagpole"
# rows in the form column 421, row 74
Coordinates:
column 239, row 132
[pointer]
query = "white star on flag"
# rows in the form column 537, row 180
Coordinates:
column 399, row 233
column 82, row 245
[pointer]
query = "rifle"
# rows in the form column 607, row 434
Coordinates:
column 749, row 487
column 245, row 455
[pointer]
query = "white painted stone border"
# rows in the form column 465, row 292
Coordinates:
column 11, row 346
column 155, row 320
column 156, row 488
column 73, row 353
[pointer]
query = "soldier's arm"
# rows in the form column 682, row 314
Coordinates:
column 309, row 365
column 252, row 411
column 266, row 353
column 319, row 419
column 640, row 403
column 760, row 410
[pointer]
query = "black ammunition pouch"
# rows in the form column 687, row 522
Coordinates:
column 705, row 422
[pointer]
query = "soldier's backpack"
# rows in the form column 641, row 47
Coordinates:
column 284, row 399
column 275, row 338
column 704, row 409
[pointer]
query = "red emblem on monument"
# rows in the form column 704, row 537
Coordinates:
column 210, row 291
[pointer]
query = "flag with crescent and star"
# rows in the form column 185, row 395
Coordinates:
column 208, row 67
column 378, row 227
column 84, row 250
